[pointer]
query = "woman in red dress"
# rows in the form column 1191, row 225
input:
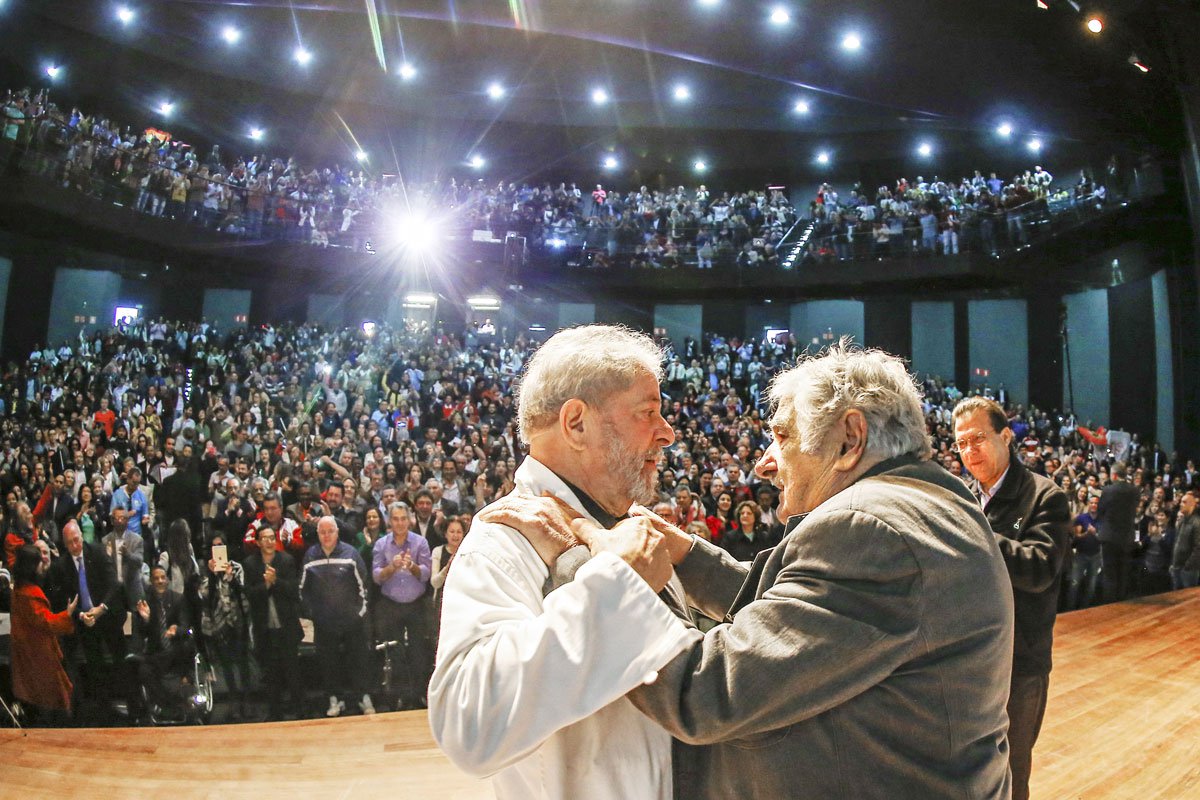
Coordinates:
column 39, row 680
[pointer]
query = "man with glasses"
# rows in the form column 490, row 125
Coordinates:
column 1032, row 522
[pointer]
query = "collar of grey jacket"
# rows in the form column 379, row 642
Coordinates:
column 880, row 468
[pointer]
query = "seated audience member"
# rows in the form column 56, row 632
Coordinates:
column 163, row 628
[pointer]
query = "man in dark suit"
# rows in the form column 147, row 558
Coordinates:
column 161, row 627
column 1032, row 520
column 86, row 571
column 273, row 588
column 1115, row 523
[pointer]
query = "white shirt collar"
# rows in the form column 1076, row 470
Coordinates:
column 990, row 493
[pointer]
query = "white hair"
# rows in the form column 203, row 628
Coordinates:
column 590, row 363
column 811, row 397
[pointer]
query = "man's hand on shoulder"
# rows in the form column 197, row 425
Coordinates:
column 544, row 521
column 635, row 541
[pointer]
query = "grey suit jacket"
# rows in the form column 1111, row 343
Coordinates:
column 868, row 655
column 131, row 564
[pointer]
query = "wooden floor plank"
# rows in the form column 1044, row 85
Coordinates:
column 1121, row 724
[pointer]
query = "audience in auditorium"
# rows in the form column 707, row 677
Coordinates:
column 382, row 446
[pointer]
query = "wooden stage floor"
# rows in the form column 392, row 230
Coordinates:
column 1123, row 723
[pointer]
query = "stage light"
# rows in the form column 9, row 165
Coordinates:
column 700, row 166
column 230, row 34
column 477, row 162
column 407, row 71
column 166, row 108
column 852, row 42
column 1095, row 25
column 413, row 232
column 368, row 328
column 925, row 150
column 682, row 92
column 1035, row 145
column 556, row 243
column 360, row 156
column 1043, row 5
column 495, row 91
column 780, row 16
column 801, row 107
column 1137, row 63
column 822, row 157
column 419, row 300
column 302, row 55
column 257, row 134
column 484, row 302
column 125, row 14
column 1004, row 129
column 709, row 3
column 599, row 96
column 610, row 162
column 52, row 71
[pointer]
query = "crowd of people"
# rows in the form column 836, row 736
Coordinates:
column 932, row 217
column 261, row 197
column 225, row 489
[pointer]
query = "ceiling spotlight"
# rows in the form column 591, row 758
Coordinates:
column 801, row 107
column 1043, row 5
column 700, row 166
column 709, row 2
column 53, row 70
column 822, row 157
column 926, row 149
column 230, row 34
column 1035, row 145
column 780, row 16
column 1004, row 129
column 610, row 162
column 302, row 55
column 495, row 91
column 1095, row 25
column 852, row 42
column 1137, row 62
column 166, row 108
column 257, row 134
column 599, row 96
column 477, row 162
column 407, row 71
column 682, row 92
column 125, row 14
column 360, row 156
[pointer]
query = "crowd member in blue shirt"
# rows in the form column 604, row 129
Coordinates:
column 402, row 564
column 131, row 498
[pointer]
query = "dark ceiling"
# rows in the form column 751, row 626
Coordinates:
column 944, row 71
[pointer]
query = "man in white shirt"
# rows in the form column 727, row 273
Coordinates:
column 590, row 411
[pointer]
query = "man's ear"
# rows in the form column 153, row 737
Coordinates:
column 573, row 420
column 852, row 431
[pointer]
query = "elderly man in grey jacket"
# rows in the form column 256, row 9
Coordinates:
column 867, row 655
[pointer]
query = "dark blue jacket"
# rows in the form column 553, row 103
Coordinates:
column 334, row 587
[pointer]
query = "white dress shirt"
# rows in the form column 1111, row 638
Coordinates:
column 530, row 689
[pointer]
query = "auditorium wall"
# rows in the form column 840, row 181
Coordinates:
column 1164, row 352
column 1087, row 335
column 227, row 308
column 999, row 346
column 679, row 321
column 933, row 338
column 818, row 319
column 5, row 272
column 572, row 314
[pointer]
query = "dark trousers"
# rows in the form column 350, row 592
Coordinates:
column 174, row 660
column 1116, row 560
column 342, row 656
column 1026, row 707
column 102, row 650
column 279, row 661
column 408, row 623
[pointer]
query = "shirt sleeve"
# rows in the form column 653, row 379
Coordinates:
column 511, row 671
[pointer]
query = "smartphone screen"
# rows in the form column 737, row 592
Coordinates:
column 220, row 555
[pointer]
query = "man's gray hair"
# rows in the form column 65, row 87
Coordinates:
column 590, row 363
column 397, row 506
column 811, row 397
